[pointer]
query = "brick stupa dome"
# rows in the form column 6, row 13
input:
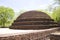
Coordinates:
column 34, row 14
column 33, row 20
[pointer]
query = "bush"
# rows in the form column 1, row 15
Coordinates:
column 56, row 14
column 6, row 16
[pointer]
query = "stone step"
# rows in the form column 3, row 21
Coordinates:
column 12, row 34
column 33, row 26
column 55, row 35
column 38, row 25
column 34, row 19
column 34, row 22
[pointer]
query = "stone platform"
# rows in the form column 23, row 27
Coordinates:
column 55, row 36
column 13, row 34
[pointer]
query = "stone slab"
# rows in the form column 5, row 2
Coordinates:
column 11, row 34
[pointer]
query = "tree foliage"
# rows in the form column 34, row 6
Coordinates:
column 56, row 14
column 54, row 10
column 57, row 1
column 6, row 16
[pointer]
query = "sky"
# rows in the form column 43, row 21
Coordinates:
column 18, row 5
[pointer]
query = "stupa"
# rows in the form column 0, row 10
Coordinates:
column 34, row 20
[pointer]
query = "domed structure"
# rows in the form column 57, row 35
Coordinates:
column 34, row 14
column 33, row 20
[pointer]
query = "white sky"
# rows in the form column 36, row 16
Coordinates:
column 18, row 5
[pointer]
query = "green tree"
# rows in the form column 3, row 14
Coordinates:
column 6, row 16
column 56, row 14
column 54, row 10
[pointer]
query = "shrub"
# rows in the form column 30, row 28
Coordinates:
column 56, row 14
column 6, row 16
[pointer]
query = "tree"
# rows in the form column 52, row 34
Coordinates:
column 53, row 10
column 53, row 5
column 6, row 16
column 57, row 1
column 56, row 14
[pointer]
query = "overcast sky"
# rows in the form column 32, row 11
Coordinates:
column 18, row 5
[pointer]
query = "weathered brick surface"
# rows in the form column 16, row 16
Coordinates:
column 55, row 36
column 33, row 20
column 32, row 35
column 33, row 14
